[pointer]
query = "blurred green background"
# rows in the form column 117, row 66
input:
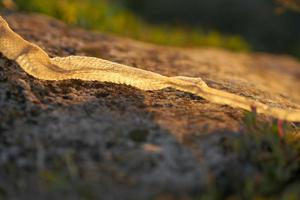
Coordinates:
column 239, row 25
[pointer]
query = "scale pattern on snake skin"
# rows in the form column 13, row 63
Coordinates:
column 35, row 61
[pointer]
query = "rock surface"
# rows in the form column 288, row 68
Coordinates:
column 120, row 142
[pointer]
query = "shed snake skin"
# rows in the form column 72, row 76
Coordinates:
column 35, row 62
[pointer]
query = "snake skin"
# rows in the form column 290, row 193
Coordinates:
column 35, row 61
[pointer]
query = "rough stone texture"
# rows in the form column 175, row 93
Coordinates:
column 120, row 142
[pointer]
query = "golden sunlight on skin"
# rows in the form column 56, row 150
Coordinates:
column 34, row 61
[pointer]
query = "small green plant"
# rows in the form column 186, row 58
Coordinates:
column 271, row 152
column 274, row 150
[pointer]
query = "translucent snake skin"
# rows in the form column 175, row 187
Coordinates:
column 35, row 61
